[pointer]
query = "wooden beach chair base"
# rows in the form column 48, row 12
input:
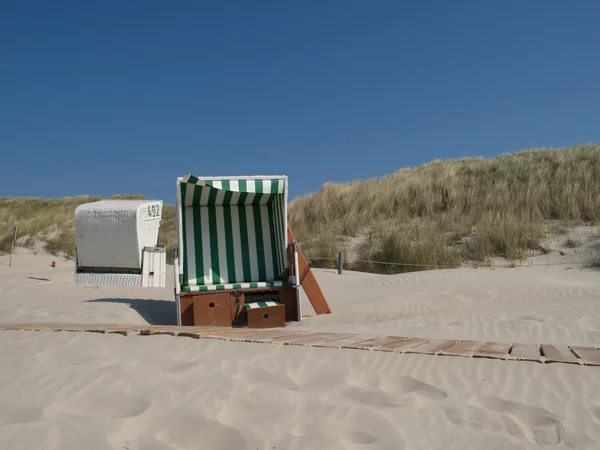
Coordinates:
column 226, row 308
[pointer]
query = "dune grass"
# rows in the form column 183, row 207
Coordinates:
column 47, row 223
column 457, row 210
column 414, row 247
column 443, row 213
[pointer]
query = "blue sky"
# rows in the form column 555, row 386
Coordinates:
column 122, row 97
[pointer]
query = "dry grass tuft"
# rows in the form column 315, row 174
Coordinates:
column 508, row 235
column 414, row 247
column 572, row 243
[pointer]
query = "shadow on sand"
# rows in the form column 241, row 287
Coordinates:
column 38, row 279
column 155, row 312
column 594, row 265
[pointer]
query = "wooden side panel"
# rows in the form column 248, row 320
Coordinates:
column 187, row 311
column 212, row 310
column 238, row 311
column 309, row 283
column 287, row 297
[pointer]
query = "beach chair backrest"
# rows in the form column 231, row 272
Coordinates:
column 112, row 233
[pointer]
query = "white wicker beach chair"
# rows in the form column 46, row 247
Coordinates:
column 117, row 243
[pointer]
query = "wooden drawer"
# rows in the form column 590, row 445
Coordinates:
column 266, row 317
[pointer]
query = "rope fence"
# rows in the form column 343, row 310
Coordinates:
column 443, row 266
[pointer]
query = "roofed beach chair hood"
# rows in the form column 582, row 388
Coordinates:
column 232, row 232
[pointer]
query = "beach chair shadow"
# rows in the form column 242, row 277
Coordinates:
column 155, row 312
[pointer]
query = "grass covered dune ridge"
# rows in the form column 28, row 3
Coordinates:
column 448, row 212
column 442, row 213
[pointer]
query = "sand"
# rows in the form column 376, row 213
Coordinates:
column 82, row 390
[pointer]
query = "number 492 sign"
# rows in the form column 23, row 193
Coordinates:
column 154, row 211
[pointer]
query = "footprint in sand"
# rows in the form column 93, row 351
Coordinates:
column 490, row 413
column 335, row 433
column 147, row 443
column 271, row 380
column 372, row 397
column 393, row 392
column 407, row 385
column 181, row 366
column 250, row 409
column 11, row 414
column 596, row 412
column 190, row 431
column 482, row 420
column 107, row 406
column 532, row 319
column 473, row 418
column 485, row 422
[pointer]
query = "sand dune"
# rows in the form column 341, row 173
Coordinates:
column 82, row 390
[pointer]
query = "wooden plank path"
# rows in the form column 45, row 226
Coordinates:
column 563, row 354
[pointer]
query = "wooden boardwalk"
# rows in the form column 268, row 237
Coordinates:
column 586, row 356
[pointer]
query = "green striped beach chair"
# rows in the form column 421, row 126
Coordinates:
column 232, row 234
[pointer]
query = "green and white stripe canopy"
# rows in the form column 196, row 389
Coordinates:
column 232, row 231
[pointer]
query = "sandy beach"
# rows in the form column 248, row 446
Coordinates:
column 81, row 390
